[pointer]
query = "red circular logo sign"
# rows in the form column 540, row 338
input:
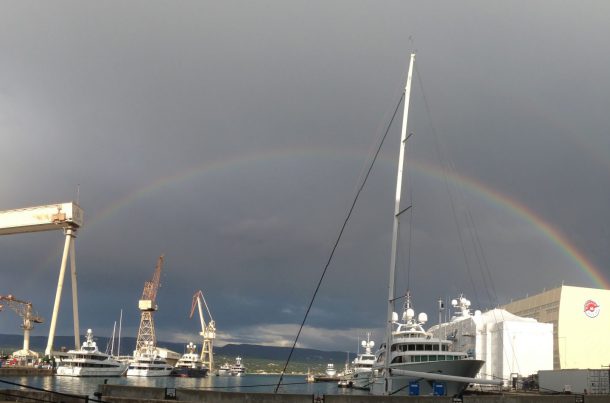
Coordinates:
column 591, row 308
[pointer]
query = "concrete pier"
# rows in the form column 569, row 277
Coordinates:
column 136, row 394
column 25, row 371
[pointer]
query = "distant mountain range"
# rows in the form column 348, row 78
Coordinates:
column 12, row 342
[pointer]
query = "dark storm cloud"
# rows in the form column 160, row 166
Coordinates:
column 263, row 114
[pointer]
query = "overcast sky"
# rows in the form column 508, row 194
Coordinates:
column 231, row 136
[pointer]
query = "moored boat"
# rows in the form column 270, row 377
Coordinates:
column 358, row 374
column 89, row 361
column 224, row 369
column 190, row 365
column 147, row 362
column 237, row 369
column 420, row 363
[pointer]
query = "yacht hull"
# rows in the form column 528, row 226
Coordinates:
column 149, row 372
column 399, row 385
column 89, row 372
column 361, row 380
column 190, row 372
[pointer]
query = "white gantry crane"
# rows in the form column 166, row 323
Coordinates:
column 147, row 306
column 63, row 216
column 208, row 331
column 25, row 310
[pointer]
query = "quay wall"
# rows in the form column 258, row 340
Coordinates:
column 137, row 394
column 16, row 395
column 466, row 399
column 25, row 371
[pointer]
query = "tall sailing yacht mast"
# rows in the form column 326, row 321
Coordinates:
column 401, row 158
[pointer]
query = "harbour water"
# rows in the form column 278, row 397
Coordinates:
column 247, row 383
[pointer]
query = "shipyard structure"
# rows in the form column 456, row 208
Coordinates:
column 511, row 346
column 581, row 321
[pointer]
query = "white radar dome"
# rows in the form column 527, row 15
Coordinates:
column 394, row 317
column 454, row 302
column 371, row 344
column 363, row 343
column 410, row 313
column 422, row 318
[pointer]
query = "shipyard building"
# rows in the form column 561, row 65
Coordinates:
column 511, row 346
column 581, row 323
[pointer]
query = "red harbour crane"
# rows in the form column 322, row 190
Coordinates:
column 147, row 306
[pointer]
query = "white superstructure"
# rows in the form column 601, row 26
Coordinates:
column 581, row 320
column 358, row 373
column 147, row 362
column 237, row 369
column 415, row 355
column 224, row 369
column 190, row 364
column 510, row 345
column 330, row 369
column 89, row 361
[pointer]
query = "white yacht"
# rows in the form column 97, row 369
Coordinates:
column 147, row 363
column 190, row 365
column 358, row 374
column 331, row 370
column 237, row 369
column 89, row 361
column 224, row 369
column 420, row 363
column 411, row 361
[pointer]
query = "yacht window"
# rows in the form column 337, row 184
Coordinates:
column 416, row 358
column 419, row 347
column 424, row 358
column 428, row 347
column 435, row 347
column 445, row 348
column 432, row 358
column 441, row 358
column 411, row 347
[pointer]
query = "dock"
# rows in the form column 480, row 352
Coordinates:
column 25, row 371
column 137, row 394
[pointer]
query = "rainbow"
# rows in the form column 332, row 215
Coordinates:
column 506, row 202
column 276, row 156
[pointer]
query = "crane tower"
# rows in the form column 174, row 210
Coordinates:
column 208, row 331
column 25, row 310
column 62, row 216
column 147, row 306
